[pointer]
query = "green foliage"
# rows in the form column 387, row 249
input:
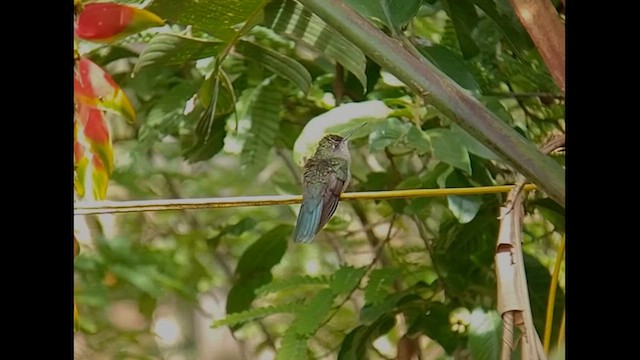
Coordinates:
column 282, row 65
column 309, row 320
column 379, row 285
column 244, row 125
column 355, row 343
column 345, row 279
column 293, row 282
column 257, row 313
column 217, row 18
column 173, row 49
column 254, row 267
column 289, row 18
column 485, row 334
column 293, row 346
column 264, row 114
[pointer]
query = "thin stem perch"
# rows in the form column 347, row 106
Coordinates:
column 109, row 207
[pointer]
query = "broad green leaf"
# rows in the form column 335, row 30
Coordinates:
column 264, row 114
column 485, row 334
column 254, row 267
column 292, row 282
column 346, row 278
column 95, row 88
column 465, row 18
column 400, row 11
column 265, row 253
column 257, row 313
column 173, row 49
column 292, row 19
column 216, row 17
column 448, row 149
column 243, row 291
column 339, row 120
column 388, row 133
column 354, row 346
column 551, row 212
column 464, row 208
column 310, row 319
column 472, row 145
column 435, row 324
column 418, row 140
column 451, row 64
column 380, row 284
column 293, row 346
column 538, row 282
column 108, row 22
column 281, row 65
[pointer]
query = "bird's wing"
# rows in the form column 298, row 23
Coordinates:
column 337, row 182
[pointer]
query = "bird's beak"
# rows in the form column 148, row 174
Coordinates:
column 353, row 131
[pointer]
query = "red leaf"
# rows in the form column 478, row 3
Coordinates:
column 93, row 153
column 94, row 87
column 107, row 22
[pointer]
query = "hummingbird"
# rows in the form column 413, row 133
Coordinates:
column 326, row 176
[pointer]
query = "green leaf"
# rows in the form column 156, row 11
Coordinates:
column 339, row 120
column 512, row 30
column 485, row 334
column 264, row 113
column 257, row 313
column 465, row 18
column 354, row 345
column 254, row 267
column 290, row 18
column 387, row 133
column 242, row 294
column 538, row 282
column 281, row 65
column 346, row 278
column 418, row 140
column 371, row 312
column 464, row 208
column 400, row 11
column 435, row 324
column 310, row 319
column 551, row 211
column 210, row 130
column 448, row 149
column 380, row 284
column 173, row 49
column 142, row 277
column 216, row 17
column 293, row 346
column 451, row 64
column 292, row 282
column 472, row 145
column 265, row 253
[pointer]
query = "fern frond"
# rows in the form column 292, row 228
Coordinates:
column 256, row 313
column 292, row 282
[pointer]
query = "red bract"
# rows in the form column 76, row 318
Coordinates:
column 107, row 22
column 93, row 87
